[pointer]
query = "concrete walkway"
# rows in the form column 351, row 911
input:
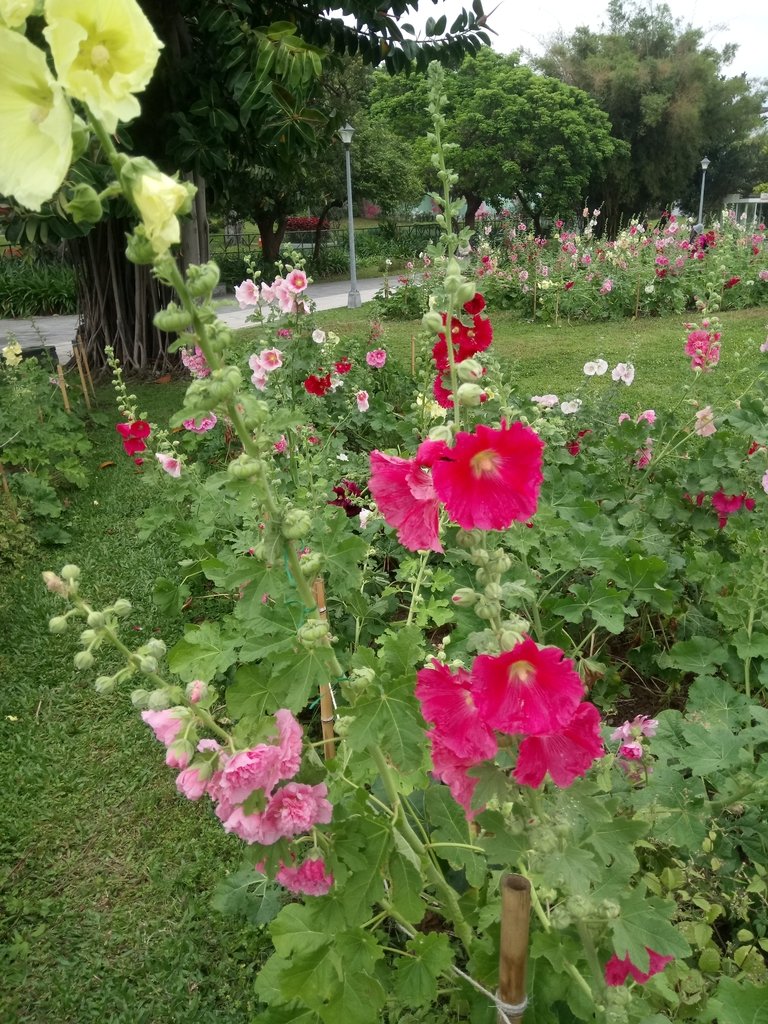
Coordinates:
column 59, row 331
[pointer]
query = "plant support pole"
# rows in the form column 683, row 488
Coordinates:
column 513, row 947
column 326, row 697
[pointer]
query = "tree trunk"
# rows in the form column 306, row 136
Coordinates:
column 194, row 228
column 473, row 205
column 319, row 229
column 117, row 301
column 272, row 231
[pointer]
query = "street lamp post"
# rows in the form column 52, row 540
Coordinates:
column 353, row 299
column 704, row 165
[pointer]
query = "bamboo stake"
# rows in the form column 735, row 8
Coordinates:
column 413, row 355
column 83, row 385
column 326, row 697
column 63, row 387
column 86, row 365
column 513, row 947
column 4, row 479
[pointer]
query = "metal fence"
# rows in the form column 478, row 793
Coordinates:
column 246, row 243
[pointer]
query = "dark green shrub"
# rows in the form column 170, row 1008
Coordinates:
column 36, row 288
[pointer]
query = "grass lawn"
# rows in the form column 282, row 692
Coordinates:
column 107, row 873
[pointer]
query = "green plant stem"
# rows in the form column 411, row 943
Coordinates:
column 424, row 558
column 535, row 605
column 591, row 953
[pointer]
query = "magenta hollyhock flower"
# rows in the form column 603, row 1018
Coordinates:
column 617, row 971
column 249, row 770
column 702, row 347
column 405, row 495
column 451, row 770
column 362, row 401
column 530, row 689
column 169, row 463
column 247, row 294
column 310, row 878
column 296, row 281
column 631, row 750
column 491, row 478
column 640, row 725
column 447, row 703
column 166, row 725
column 376, row 358
column 203, row 425
column 295, row 809
column 566, row 754
column 190, row 784
column 289, row 734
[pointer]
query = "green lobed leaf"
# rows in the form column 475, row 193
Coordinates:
column 203, row 652
column 449, row 825
column 388, row 717
column 417, row 975
column 644, row 924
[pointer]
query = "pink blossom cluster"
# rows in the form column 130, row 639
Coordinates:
column 702, row 345
column 201, row 424
column 262, row 364
column 283, row 291
column 530, row 693
column 376, row 358
column 195, row 362
column 617, row 971
column 632, row 754
column 485, row 481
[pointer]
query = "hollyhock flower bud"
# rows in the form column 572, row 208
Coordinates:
column 87, row 637
column 105, row 684
column 465, row 597
column 296, row 524
column 441, row 433
column 159, row 699
column 140, row 699
column 179, row 754
column 191, row 783
column 155, row 648
column 71, row 573
column 469, row 370
column 470, row 394
column 313, row 632
column 96, row 620
column 432, row 321
column 196, row 691
column 84, row 660
column 55, row 584
column 147, row 664
column 58, row 624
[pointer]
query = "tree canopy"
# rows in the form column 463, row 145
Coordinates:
column 669, row 99
column 518, row 134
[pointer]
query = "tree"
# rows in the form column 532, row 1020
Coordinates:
column 518, row 134
column 233, row 92
column 668, row 99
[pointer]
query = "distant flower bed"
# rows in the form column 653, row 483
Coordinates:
column 305, row 224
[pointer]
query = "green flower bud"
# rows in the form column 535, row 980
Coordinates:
column 147, row 664
column 173, row 319
column 579, row 906
column 465, row 597
column 493, row 591
column 81, row 136
column 470, row 394
column 479, row 556
column 611, row 909
column 71, row 573
column 155, row 648
column 121, row 607
column 201, row 280
column 486, row 609
column 469, row 370
column 245, row 467
column 84, row 660
column 104, row 684
column 509, row 639
column 465, row 292
column 140, row 699
column 138, row 247
column 196, row 691
column 432, row 322
column 313, row 632
column 87, row 637
column 296, row 524
column 441, row 433
column 362, row 676
column 159, row 699
column 342, row 724
column 58, row 624
column 311, row 564
column 96, row 620
column 84, row 206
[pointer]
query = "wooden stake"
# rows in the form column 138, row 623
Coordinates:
column 86, row 366
column 513, row 947
column 4, row 479
column 326, row 698
column 413, row 355
column 83, row 385
column 63, row 387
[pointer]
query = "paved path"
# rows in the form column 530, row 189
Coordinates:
column 59, row 331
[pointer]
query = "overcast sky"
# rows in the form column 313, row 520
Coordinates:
column 526, row 24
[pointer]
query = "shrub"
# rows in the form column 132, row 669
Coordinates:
column 38, row 288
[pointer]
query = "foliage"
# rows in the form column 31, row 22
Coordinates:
column 36, row 288
column 669, row 100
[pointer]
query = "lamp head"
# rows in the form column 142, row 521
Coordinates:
column 346, row 133
column 705, row 163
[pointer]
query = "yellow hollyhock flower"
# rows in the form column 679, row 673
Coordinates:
column 104, row 53
column 14, row 13
column 35, row 124
column 158, row 199
column 12, row 353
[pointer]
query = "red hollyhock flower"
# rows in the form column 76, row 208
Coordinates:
column 447, row 703
column 731, row 282
column 346, row 491
column 568, row 285
column 574, row 447
column 566, row 755
column 405, row 494
column 315, row 385
column 617, row 971
column 343, row 366
column 475, row 305
column 467, row 341
column 133, row 434
column 727, row 504
column 530, row 689
column 133, row 445
column 443, row 396
column 491, row 478
column 453, row 772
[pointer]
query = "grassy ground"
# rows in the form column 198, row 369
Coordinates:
column 106, row 873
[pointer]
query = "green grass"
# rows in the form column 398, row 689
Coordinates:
column 106, row 872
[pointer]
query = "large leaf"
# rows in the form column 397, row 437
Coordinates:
column 203, row 652
column 450, row 827
column 388, row 717
column 644, row 924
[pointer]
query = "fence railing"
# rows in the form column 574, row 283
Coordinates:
column 245, row 243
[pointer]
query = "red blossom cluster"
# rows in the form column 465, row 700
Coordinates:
column 347, row 491
column 533, row 695
column 466, row 340
column 724, row 504
column 133, row 435
column 617, row 971
column 318, row 385
column 486, row 481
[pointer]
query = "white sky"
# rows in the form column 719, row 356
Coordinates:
column 526, row 24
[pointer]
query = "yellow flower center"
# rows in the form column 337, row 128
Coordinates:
column 521, row 672
column 484, row 463
column 99, row 55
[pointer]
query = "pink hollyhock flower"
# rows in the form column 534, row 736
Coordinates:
column 453, row 772
column 764, row 482
column 376, row 358
column 249, row 770
column 296, row 808
column 177, row 757
column 617, row 971
column 640, row 725
column 702, row 347
column 166, row 725
column 406, row 497
column 251, row 828
column 763, row 275
column 195, row 362
column 281, row 445
column 491, row 478
column 203, row 425
column 624, row 372
column 623, row 417
column 705, row 422
column 247, row 294
column 190, row 784
column 447, row 703
column 309, row 878
column 269, row 359
column 286, row 299
column 607, row 286
column 318, row 337
column 632, row 750
column 285, row 332
column 259, row 379
column 296, row 281
column 566, row 755
column 208, row 744
column 530, row 689
column 289, row 743
column 764, row 346
column 170, row 464
column 649, row 416
column 362, row 401
column 546, row 401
